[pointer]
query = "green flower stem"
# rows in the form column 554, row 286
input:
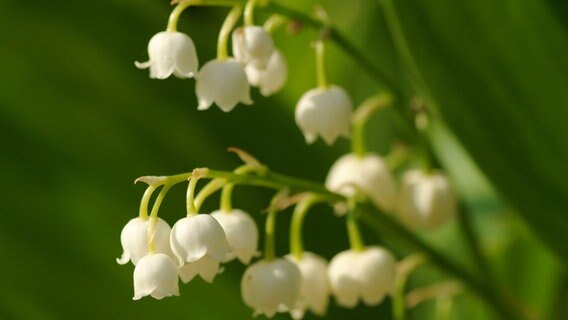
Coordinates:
column 274, row 22
column 226, row 196
column 228, row 26
column 143, row 213
column 385, row 224
column 302, row 208
column 209, row 189
column 269, row 241
column 360, row 118
column 355, row 239
column 405, row 268
column 184, row 4
column 190, row 197
column 249, row 12
column 320, row 64
column 159, row 199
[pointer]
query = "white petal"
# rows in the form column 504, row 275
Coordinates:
column 134, row 240
column 155, row 275
column 326, row 112
column 315, row 288
column 344, row 286
column 242, row 234
column 368, row 174
column 252, row 45
column 223, row 82
column 375, row 272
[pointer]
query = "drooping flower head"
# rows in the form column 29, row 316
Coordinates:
column 269, row 286
column 135, row 236
column 242, row 234
column 223, row 82
column 170, row 52
column 368, row 174
column 272, row 78
column 426, row 200
column 200, row 243
column 155, row 275
column 315, row 289
column 367, row 275
column 252, row 45
column 325, row 112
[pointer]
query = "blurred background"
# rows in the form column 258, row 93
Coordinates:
column 78, row 123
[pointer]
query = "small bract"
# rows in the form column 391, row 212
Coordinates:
column 272, row 78
column 252, row 45
column 368, row 174
column 315, row 290
column 426, row 200
column 134, row 239
column 367, row 275
column 155, row 275
column 199, row 241
column 223, row 82
column 170, row 53
column 269, row 286
column 325, row 112
column 242, row 234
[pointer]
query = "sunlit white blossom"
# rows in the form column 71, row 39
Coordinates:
column 367, row 275
column 223, row 82
column 200, row 243
column 325, row 112
column 155, row 275
column 315, row 289
column 368, row 174
column 134, row 239
column 426, row 199
column 269, row 286
column 252, row 45
column 272, row 78
column 242, row 234
column 170, row 53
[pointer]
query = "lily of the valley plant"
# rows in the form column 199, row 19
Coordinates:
column 361, row 185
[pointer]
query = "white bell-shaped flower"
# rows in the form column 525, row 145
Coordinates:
column 426, row 200
column 135, row 236
column 272, row 78
column 315, row 289
column 242, row 234
column 170, row 53
column 269, row 286
column 368, row 275
column 252, row 45
column 368, row 174
column 223, row 82
column 155, row 275
column 325, row 112
column 200, row 242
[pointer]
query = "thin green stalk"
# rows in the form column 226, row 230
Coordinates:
column 226, row 197
column 361, row 117
column 226, row 29
column 190, row 196
column 159, row 199
column 209, row 189
column 143, row 212
column 355, row 239
column 249, row 12
column 269, row 229
column 404, row 269
column 273, row 22
column 296, row 225
column 320, row 64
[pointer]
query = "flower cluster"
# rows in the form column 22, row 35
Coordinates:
column 199, row 243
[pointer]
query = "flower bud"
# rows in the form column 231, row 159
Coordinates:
column 325, row 112
column 270, row 79
column 223, row 82
column 426, row 200
column 134, row 239
column 268, row 286
column 155, row 275
column 367, row 275
column 241, row 232
column 252, row 45
column 200, row 242
column 170, row 53
column 315, row 290
column 368, row 174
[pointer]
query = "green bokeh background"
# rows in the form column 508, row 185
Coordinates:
column 79, row 123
